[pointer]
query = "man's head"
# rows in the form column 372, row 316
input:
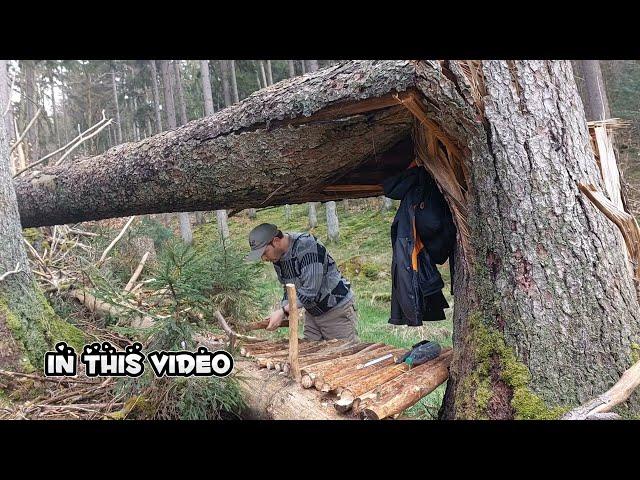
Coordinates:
column 267, row 243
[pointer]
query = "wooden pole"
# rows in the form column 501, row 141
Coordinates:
column 293, row 332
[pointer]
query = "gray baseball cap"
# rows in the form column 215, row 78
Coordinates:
column 259, row 238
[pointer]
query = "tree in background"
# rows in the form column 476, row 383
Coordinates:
column 221, row 215
column 168, row 77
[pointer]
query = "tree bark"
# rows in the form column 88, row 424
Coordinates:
column 545, row 312
column 156, row 95
column 28, row 325
column 5, row 99
column 333, row 226
column 234, row 82
column 595, row 90
column 292, row 68
column 116, row 104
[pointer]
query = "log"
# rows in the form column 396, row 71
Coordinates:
column 282, row 355
column 261, row 325
column 360, row 386
column 272, row 396
column 357, row 372
column 104, row 309
column 311, row 372
column 407, row 389
column 293, row 332
column 274, row 130
column 348, row 363
column 342, row 351
column 266, row 346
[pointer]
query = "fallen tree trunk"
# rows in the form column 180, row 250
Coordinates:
column 273, row 396
column 198, row 165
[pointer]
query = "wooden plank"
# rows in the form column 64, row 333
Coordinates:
column 293, row 331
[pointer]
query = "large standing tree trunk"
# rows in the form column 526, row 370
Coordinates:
column 116, row 104
column 292, row 68
column 168, row 81
column 226, row 87
column 179, row 87
column 234, row 81
column 269, row 73
column 598, row 105
column 333, row 226
column 5, row 99
column 31, row 103
column 28, row 325
column 546, row 312
column 156, row 95
column 221, row 215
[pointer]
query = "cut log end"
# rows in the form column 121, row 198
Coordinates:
column 307, row 381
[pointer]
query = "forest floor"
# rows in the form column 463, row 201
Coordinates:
column 363, row 255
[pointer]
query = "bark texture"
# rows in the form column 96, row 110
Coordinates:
column 545, row 312
column 5, row 96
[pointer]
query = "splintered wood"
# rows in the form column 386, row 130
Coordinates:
column 361, row 379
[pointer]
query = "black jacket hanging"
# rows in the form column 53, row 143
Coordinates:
column 422, row 234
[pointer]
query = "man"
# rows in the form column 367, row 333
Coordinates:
column 299, row 258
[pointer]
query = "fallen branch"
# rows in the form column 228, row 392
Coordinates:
column 21, row 137
column 81, row 141
column 115, row 240
column 136, row 274
column 233, row 335
column 11, row 272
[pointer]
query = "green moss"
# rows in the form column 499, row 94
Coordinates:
column 635, row 353
column 35, row 326
column 476, row 392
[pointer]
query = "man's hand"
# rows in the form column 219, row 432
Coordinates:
column 275, row 319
